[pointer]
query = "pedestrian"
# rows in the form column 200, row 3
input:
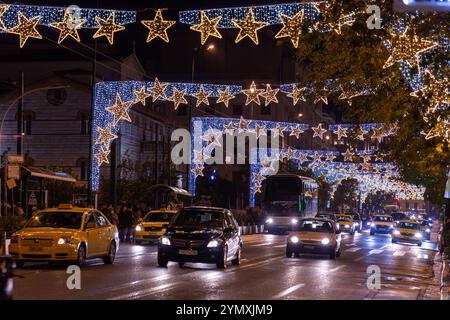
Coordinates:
column 125, row 223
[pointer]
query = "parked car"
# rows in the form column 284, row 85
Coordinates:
column 201, row 234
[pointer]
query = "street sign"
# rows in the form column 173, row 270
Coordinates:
column 15, row 158
column 13, row 171
column 32, row 200
column 11, row 183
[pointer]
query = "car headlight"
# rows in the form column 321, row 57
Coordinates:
column 428, row 230
column 372, row 224
column 294, row 221
column 294, row 239
column 138, row 228
column 65, row 240
column 325, row 241
column 347, row 226
column 213, row 244
column 391, row 226
column 397, row 233
column 165, row 241
column 418, row 235
column 14, row 238
column 356, row 224
column 269, row 221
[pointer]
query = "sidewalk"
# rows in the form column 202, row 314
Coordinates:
column 445, row 278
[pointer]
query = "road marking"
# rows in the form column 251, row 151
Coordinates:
column 353, row 249
column 375, row 251
column 280, row 246
column 385, row 246
column 141, row 293
column 399, row 253
column 337, row 268
column 288, row 291
column 261, row 244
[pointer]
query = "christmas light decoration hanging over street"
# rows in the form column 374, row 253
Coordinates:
column 292, row 27
column 270, row 95
column 120, row 110
column 157, row 28
column 253, row 94
column 107, row 28
column 68, row 27
column 207, row 27
column 26, row 28
column 249, row 27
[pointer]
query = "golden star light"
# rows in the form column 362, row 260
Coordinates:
column 252, row 94
column 321, row 95
column 248, row 27
column 202, row 96
column 102, row 156
column 158, row 90
column 178, row 97
column 68, row 27
column 319, row 131
column 198, row 171
column 107, row 28
column 259, row 131
column 348, row 155
column 120, row 110
column 3, row 9
column 296, row 131
column 229, row 128
column 26, row 28
column 243, row 124
column 105, row 136
column 330, row 157
column 378, row 134
column 436, row 91
column 296, row 95
column 292, row 27
column 270, row 95
column 344, row 20
column 207, row 27
column 303, row 157
column 141, row 95
column 158, row 27
column 408, row 48
column 225, row 96
column 341, row 132
column 360, row 134
column 278, row 131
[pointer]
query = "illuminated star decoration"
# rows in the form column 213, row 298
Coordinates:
column 352, row 90
column 141, row 95
column 348, row 155
column 108, row 27
column 341, row 132
column 120, row 110
column 436, row 91
column 105, row 136
column 270, row 95
column 330, row 157
column 158, row 90
column 3, row 9
column 278, row 131
column 198, row 170
column 378, row 134
column 379, row 157
column 207, row 27
column 202, row 96
column 68, row 27
column 259, row 131
column 303, row 157
column 252, row 94
column 292, row 27
column 258, row 178
column 225, row 96
column 296, row 131
column 213, row 137
column 248, row 27
column 366, row 158
column 441, row 129
column 321, row 95
column 360, row 134
column 158, row 27
column 408, row 48
column 256, row 188
column 290, row 153
column 26, row 28
column 229, row 128
column 343, row 20
column 296, row 95
column 318, row 131
column 102, row 156
column 178, row 97
column 243, row 124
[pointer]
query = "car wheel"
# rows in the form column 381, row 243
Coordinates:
column 222, row 261
column 81, row 256
column 162, row 262
column 109, row 259
column 333, row 255
column 237, row 260
column 181, row 264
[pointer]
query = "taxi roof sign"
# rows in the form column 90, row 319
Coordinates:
column 65, row 206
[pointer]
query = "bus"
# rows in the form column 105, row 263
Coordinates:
column 286, row 199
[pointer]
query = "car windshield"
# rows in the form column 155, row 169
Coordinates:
column 199, row 218
column 158, row 217
column 56, row 219
column 343, row 218
column 326, row 216
column 408, row 225
column 355, row 217
column 315, row 226
column 383, row 219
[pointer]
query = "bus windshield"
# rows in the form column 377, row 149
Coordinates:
column 283, row 189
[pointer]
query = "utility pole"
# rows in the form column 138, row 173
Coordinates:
column 20, row 115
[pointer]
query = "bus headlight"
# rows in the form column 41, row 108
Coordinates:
column 294, row 239
column 325, row 241
column 269, row 221
column 294, row 221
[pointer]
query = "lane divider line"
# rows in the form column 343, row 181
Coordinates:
column 288, row 291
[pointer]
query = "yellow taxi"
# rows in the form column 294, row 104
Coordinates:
column 381, row 223
column 346, row 224
column 407, row 231
column 153, row 225
column 65, row 233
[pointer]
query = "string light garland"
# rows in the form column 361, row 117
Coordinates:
column 341, row 132
column 296, row 94
column 225, row 96
column 107, row 28
column 158, row 90
column 141, row 96
column 68, row 27
column 178, row 97
column 437, row 92
column 105, row 136
column 26, row 28
column 207, row 27
column 102, row 156
column 292, row 27
column 248, row 27
column 319, row 131
column 3, row 9
column 157, row 28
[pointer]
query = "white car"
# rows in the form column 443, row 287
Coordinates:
column 314, row 235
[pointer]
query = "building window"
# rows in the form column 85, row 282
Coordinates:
column 85, row 123
column 237, row 110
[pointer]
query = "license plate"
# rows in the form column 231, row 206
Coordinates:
column 188, row 252
column 309, row 247
column 36, row 249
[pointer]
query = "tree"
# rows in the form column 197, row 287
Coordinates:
column 375, row 202
column 357, row 56
column 345, row 197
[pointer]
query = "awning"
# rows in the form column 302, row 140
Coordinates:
column 167, row 188
column 47, row 174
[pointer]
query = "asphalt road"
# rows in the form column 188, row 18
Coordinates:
column 265, row 273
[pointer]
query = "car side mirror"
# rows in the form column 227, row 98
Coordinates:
column 91, row 225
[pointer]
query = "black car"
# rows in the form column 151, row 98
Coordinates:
column 201, row 234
